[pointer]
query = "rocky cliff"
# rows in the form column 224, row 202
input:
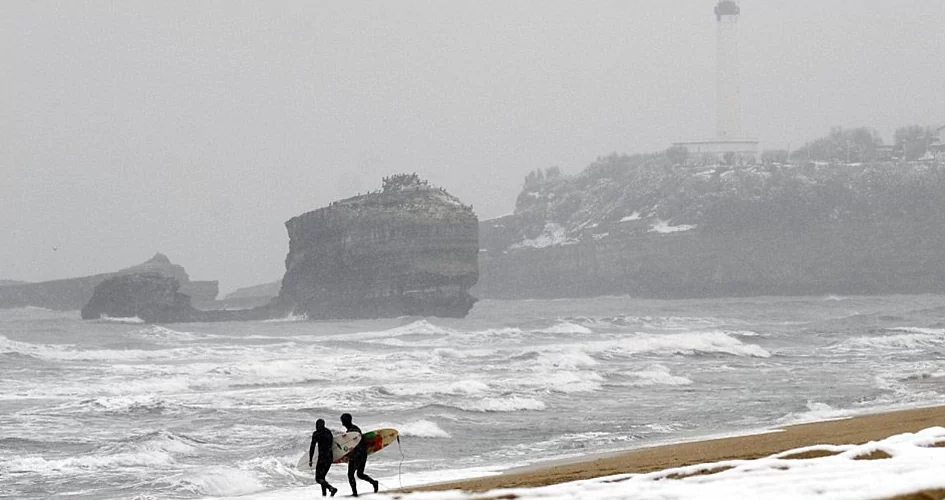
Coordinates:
column 74, row 293
column 409, row 249
column 646, row 227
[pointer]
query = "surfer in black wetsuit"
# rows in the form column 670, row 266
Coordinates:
column 358, row 457
column 323, row 438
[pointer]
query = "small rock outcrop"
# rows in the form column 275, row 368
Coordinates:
column 74, row 293
column 408, row 249
column 155, row 298
column 149, row 296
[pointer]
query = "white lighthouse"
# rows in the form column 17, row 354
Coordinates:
column 729, row 142
column 728, row 106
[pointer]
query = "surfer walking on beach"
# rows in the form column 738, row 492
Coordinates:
column 323, row 439
column 358, row 457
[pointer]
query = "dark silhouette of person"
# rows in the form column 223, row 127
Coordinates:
column 323, row 439
column 358, row 457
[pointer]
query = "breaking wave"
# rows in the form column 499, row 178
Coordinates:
column 902, row 338
column 221, row 481
column 417, row 428
column 683, row 344
column 504, row 405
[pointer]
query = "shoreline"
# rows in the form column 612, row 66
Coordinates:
column 753, row 445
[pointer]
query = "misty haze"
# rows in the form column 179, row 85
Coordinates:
column 681, row 249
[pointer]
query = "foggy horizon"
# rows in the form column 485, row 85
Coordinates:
column 197, row 129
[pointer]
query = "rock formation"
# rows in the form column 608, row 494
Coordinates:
column 74, row 293
column 646, row 227
column 148, row 295
column 154, row 298
column 409, row 249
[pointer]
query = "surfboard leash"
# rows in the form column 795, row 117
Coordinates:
column 400, row 468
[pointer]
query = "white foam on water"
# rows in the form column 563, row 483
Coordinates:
column 655, row 375
column 816, row 412
column 565, row 359
column 416, row 428
column 938, row 332
column 123, row 404
column 901, row 341
column 468, row 387
column 899, row 338
column 680, row 344
column 165, row 333
column 566, row 327
column 503, row 405
column 288, row 318
column 132, row 320
column 85, row 464
column 562, row 381
column 221, row 481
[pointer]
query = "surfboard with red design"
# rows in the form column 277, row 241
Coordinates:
column 377, row 440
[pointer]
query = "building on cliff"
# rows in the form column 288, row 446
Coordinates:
column 937, row 146
column 408, row 249
column 730, row 140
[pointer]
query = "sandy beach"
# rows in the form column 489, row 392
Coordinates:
column 855, row 430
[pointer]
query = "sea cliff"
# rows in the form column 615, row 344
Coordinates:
column 408, row 249
column 647, row 227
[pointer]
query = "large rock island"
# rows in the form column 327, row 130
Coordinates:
column 656, row 226
column 74, row 293
column 408, row 249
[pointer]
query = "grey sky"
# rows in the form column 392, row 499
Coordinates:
column 196, row 128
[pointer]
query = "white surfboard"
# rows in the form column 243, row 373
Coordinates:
column 342, row 444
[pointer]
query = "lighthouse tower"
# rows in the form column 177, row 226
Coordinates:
column 728, row 107
column 729, row 143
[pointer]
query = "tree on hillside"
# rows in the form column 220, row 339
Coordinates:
column 842, row 145
column 537, row 176
column 913, row 141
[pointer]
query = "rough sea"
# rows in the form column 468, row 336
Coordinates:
column 123, row 410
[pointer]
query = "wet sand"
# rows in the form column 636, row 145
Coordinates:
column 856, row 430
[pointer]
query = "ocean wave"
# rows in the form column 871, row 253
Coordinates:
column 162, row 442
column 816, row 412
column 654, row 375
column 138, row 404
column 417, row 428
column 432, row 388
column 85, row 464
column 133, row 320
column 221, row 481
column 909, row 338
column 164, row 333
column 288, row 318
column 503, row 405
column 565, row 359
column 712, row 342
column 67, row 352
column 567, row 328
